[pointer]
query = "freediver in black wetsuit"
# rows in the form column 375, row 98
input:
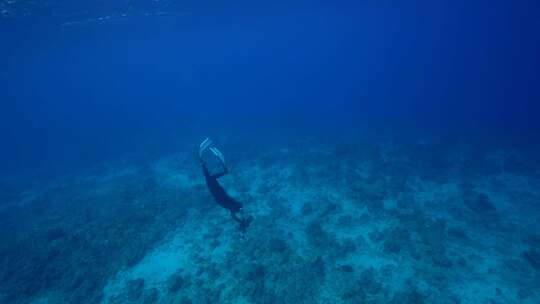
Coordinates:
column 219, row 194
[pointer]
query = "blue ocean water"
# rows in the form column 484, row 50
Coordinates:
column 387, row 151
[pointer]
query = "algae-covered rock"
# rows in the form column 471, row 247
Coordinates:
column 151, row 296
column 533, row 257
column 135, row 289
column 479, row 202
column 175, row 282
column 396, row 240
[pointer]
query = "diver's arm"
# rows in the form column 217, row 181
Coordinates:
column 244, row 222
column 235, row 217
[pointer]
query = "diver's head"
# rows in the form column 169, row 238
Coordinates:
column 238, row 207
column 244, row 224
column 235, row 209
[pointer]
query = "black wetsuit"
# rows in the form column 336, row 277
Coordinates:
column 223, row 199
column 219, row 194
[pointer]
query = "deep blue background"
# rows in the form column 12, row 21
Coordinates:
column 75, row 95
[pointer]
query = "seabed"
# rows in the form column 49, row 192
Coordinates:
column 333, row 223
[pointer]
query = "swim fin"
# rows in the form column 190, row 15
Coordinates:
column 218, row 154
column 204, row 145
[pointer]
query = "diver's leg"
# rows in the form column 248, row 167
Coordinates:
column 221, row 158
column 218, row 175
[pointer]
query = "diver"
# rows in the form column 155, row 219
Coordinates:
column 219, row 194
